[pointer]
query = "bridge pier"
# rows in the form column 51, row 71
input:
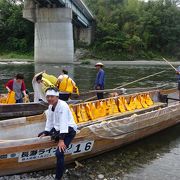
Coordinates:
column 53, row 41
column 53, row 34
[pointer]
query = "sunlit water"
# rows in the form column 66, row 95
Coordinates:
column 153, row 158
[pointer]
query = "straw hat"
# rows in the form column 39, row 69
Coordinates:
column 99, row 64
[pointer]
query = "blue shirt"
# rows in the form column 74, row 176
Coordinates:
column 100, row 79
column 178, row 76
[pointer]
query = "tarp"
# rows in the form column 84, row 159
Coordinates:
column 115, row 128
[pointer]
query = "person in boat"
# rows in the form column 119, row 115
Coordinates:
column 60, row 125
column 99, row 83
column 18, row 86
column 178, row 78
column 41, row 82
column 66, row 86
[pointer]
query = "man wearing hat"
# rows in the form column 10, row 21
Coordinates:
column 99, row 83
column 60, row 126
column 178, row 78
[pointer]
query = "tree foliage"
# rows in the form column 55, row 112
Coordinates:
column 137, row 27
column 16, row 33
column 132, row 27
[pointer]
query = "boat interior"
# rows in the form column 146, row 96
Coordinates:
column 29, row 127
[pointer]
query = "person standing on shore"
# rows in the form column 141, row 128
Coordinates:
column 178, row 78
column 99, row 83
column 60, row 125
column 18, row 86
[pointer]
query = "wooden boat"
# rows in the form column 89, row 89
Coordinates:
column 30, row 109
column 22, row 151
column 22, row 109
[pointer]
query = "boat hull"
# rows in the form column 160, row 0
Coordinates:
column 90, row 141
column 21, row 110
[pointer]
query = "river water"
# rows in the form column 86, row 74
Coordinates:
column 154, row 158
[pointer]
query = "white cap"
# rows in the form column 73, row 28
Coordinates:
column 52, row 92
column 99, row 64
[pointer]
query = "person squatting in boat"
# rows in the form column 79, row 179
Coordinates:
column 17, row 86
column 60, row 125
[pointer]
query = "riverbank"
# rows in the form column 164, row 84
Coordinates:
column 84, row 57
column 138, row 62
column 11, row 61
column 93, row 62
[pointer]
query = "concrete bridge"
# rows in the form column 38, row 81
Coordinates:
column 58, row 23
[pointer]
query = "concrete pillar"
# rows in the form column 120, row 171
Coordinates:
column 85, row 35
column 29, row 10
column 53, row 35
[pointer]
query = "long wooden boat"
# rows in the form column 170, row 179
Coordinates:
column 21, row 110
column 31, row 108
column 22, row 151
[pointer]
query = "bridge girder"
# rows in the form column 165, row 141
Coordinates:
column 80, row 11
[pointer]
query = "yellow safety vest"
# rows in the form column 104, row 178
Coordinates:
column 46, row 84
column 73, row 113
column 52, row 79
column 9, row 99
column 67, row 85
column 122, row 108
column 89, row 113
column 132, row 103
column 149, row 101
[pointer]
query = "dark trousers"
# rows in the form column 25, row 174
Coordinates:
column 19, row 101
column 60, row 155
column 100, row 95
column 64, row 97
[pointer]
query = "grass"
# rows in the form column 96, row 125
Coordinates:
column 4, row 55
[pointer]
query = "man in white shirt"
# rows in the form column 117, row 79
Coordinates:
column 60, row 126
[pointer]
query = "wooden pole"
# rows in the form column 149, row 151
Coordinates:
column 170, row 64
column 115, row 90
column 124, row 85
column 146, row 77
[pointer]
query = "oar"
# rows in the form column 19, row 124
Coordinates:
column 169, row 64
column 124, row 85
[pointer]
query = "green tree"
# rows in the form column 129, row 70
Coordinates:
column 16, row 33
column 137, row 27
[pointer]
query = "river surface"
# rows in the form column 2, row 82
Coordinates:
column 154, row 158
